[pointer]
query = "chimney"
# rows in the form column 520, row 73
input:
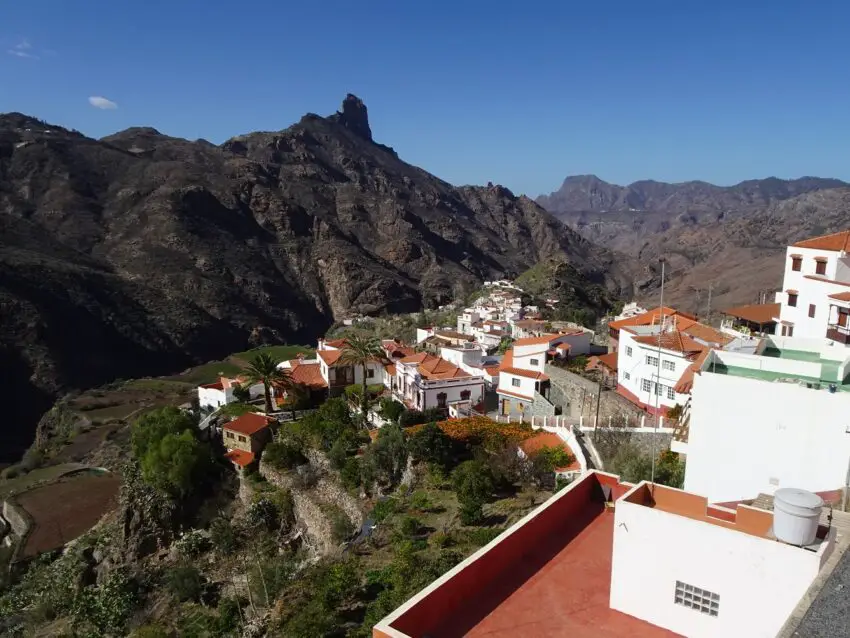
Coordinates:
column 321, row 344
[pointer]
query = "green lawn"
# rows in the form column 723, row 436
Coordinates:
column 159, row 385
column 207, row 373
column 282, row 353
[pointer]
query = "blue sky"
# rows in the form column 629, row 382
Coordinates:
column 521, row 94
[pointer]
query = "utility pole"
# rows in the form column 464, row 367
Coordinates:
column 708, row 316
column 658, row 378
column 598, row 397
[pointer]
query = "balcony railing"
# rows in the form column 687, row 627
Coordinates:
column 841, row 334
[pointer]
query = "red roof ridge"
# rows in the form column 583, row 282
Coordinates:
column 832, row 242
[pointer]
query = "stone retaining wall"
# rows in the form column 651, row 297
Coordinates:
column 577, row 397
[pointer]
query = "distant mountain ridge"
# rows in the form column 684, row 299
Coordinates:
column 142, row 253
column 729, row 239
column 589, row 193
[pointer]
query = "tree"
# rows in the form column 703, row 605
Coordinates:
column 391, row 409
column 631, row 464
column 241, row 393
column 263, row 369
column 150, row 428
column 473, row 485
column 388, row 454
column 431, row 445
column 297, row 395
column 184, row 582
column 360, row 350
column 670, row 470
column 175, row 464
column 505, row 345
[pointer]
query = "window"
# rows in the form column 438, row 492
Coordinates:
column 668, row 365
column 627, row 376
column 441, row 399
column 792, row 298
column 229, row 434
column 790, row 331
column 671, row 394
column 242, row 439
column 811, row 310
column 659, row 389
column 628, row 351
column 701, row 600
column 796, row 263
column 645, row 385
column 465, row 395
column 370, row 373
column 651, row 361
column 515, row 383
column 820, row 266
column 534, row 362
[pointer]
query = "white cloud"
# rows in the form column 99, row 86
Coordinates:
column 99, row 102
column 23, row 49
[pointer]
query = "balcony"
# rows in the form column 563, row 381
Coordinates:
column 841, row 334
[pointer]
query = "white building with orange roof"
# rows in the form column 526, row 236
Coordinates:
column 648, row 318
column 338, row 374
column 654, row 359
column 535, row 444
column 521, row 371
column 815, row 296
column 211, row 396
column 427, row 381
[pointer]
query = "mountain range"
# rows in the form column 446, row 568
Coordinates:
column 141, row 254
column 723, row 245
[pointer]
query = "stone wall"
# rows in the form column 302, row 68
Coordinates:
column 542, row 406
column 577, row 397
column 608, row 441
column 18, row 520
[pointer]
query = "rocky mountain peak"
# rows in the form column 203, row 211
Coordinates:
column 354, row 116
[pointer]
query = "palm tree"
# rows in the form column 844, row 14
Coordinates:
column 263, row 369
column 293, row 390
column 360, row 350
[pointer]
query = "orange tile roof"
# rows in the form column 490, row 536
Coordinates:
column 534, row 341
column 213, row 386
column 330, row 357
column 825, row 280
column 240, row 457
column 549, row 439
column 491, row 370
column 674, row 340
column 707, row 334
column 841, row 296
column 756, row 313
column 528, row 374
column 650, row 317
column 335, row 343
column 390, row 368
column 832, row 242
column 308, row 374
column 501, row 390
column 434, row 367
column 686, row 381
column 248, row 424
column 608, row 360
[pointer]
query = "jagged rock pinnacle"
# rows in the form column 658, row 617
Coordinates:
column 354, row 116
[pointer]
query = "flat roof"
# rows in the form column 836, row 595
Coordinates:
column 548, row 575
column 828, row 368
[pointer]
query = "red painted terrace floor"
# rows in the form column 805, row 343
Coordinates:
column 561, row 592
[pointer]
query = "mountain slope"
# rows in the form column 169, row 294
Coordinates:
column 142, row 253
column 729, row 239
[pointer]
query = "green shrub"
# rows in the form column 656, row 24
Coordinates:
column 431, row 445
column 440, row 539
column 223, row 536
column 416, row 417
column 483, row 535
column 193, row 544
column 391, row 409
column 13, row 471
column 151, row 631
column 473, row 484
column 383, row 509
column 341, row 526
column 350, row 473
column 184, row 582
column 283, row 456
column 408, row 526
column 420, row 502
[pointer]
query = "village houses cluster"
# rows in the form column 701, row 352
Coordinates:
column 757, row 407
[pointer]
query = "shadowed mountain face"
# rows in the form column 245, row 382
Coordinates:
column 142, row 254
column 730, row 239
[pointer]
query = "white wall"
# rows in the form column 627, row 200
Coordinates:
column 213, row 398
column 749, row 436
column 637, row 369
column 422, row 334
column 810, row 291
column 759, row 581
column 424, row 393
column 533, row 362
column 525, row 388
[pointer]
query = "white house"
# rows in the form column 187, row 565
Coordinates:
column 815, row 296
column 427, row 381
column 758, row 422
column 717, row 571
column 212, row 396
column 654, row 360
column 466, row 320
column 337, row 374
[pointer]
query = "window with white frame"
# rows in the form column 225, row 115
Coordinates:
column 628, row 351
column 534, row 362
column 671, row 393
column 668, row 365
column 651, row 361
column 627, row 376
column 645, row 385
column 701, row 600
column 659, row 389
column 515, row 383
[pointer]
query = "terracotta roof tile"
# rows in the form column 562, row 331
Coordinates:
column 248, row 424
column 607, row 360
column 841, row 296
column 825, row 280
column 756, row 313
column 308, row 374
column 650, row 317
column 534, row 341
column 433, row 367
column 707, row 334
column 686, row 381
column 335, row 343
column 832, row 242
column 330, row 357
column 549, row 440
column 674, row 340
column 240, row 457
